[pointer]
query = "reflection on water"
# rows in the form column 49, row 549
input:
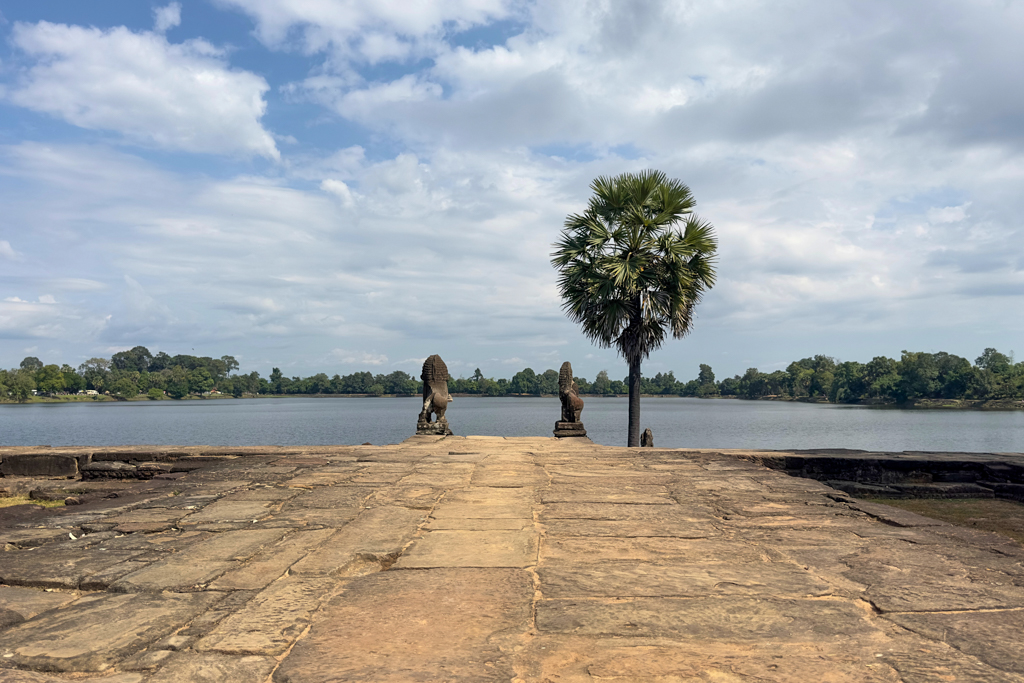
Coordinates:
column 676, row 422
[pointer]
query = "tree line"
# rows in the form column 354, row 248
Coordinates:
column 915, row 376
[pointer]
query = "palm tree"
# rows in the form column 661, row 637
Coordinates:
column 633, row 266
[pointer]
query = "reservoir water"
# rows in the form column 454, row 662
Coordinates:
column 676, row 423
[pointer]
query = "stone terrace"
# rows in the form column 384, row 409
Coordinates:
column 490, row 559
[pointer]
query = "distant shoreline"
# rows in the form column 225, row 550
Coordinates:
column 921, row 404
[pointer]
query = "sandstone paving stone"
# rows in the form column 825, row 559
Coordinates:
column 166, row 542
column 729, row 618
column 510, row 477
column 567, row 579
column 230, row 511
column 415, row 497
column 272, row 620
column 490, row 495
column 471, row 549
column 447, row 510
column 213, row 668
column 624, row 512
column 231, row 603
column 199, row 564
column 994, row 636
column 118, row 625
column 272, row 562
column 653, row 660
column 148, row 660
column 267, row 493
column 380, row 533
column 14, row 676
column 905, row 578
column 432, row 625
column 479, row 524
column 55, row 566
column 634, row 494
column 330, row 498
column 310, row 518
column 26, row 603
column 588, row 549
column 30, row 538
column 629, row 529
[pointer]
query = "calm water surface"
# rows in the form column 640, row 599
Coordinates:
column 676, row 422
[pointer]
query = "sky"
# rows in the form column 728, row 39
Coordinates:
column 351, row 185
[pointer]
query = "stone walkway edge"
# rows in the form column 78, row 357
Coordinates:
column 535, row 560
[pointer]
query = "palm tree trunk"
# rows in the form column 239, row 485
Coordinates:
column 634, row 402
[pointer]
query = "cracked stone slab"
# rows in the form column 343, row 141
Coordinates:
column 272, row 620
column 56, row 566
column 272, row 562
column 380, row 532
column 438, row 624
column 25, row 603
column 991, row 636
column 197, row 565
column 213, row 668
column 118, row 625
column 709, row 619
column 471, row 549
column 630, row 493
column 629, row 529
column 699, row 551
column 628, row 579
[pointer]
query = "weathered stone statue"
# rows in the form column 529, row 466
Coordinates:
column 647, row 439
column 435, row 397
column 572, row 404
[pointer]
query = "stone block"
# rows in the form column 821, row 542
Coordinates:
column 471, row 549
column 39, row 465
column 434, row 625
column 118, row 626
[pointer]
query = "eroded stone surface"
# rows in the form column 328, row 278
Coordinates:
column 493, row 559
column 441, row 624
column 97, row 631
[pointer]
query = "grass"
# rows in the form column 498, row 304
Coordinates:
column 1005, row 517
column 22, row 500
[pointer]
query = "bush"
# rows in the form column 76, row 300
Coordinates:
column 155, row 394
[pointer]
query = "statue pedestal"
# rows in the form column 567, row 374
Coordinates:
column 434, row 428
column 566, row 429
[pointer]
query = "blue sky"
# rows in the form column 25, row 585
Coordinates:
column 357, row 184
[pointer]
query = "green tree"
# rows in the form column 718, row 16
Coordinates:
column 31, row 364
column 73, row 382
column 177, row 382
column 524, row 382
column 95, row 371
column 155, row 394
column 602, row 385
column 21, row 385
column 547, row 382
column 200, row 381
column 124, row 388
column 137, row 359
column 633, row 267
column 49, row 380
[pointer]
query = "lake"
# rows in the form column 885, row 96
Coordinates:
column 676, row 422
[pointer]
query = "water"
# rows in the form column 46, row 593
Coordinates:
column 676, row 422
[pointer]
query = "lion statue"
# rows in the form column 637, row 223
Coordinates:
column 435, row 397
column 572, row 404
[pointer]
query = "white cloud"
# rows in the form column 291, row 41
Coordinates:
column 7, row 251
column 172, row 95
column 369, row 30
column 167, row 17
column 360, row 358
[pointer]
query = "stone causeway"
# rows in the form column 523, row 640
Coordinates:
column 445, row 559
